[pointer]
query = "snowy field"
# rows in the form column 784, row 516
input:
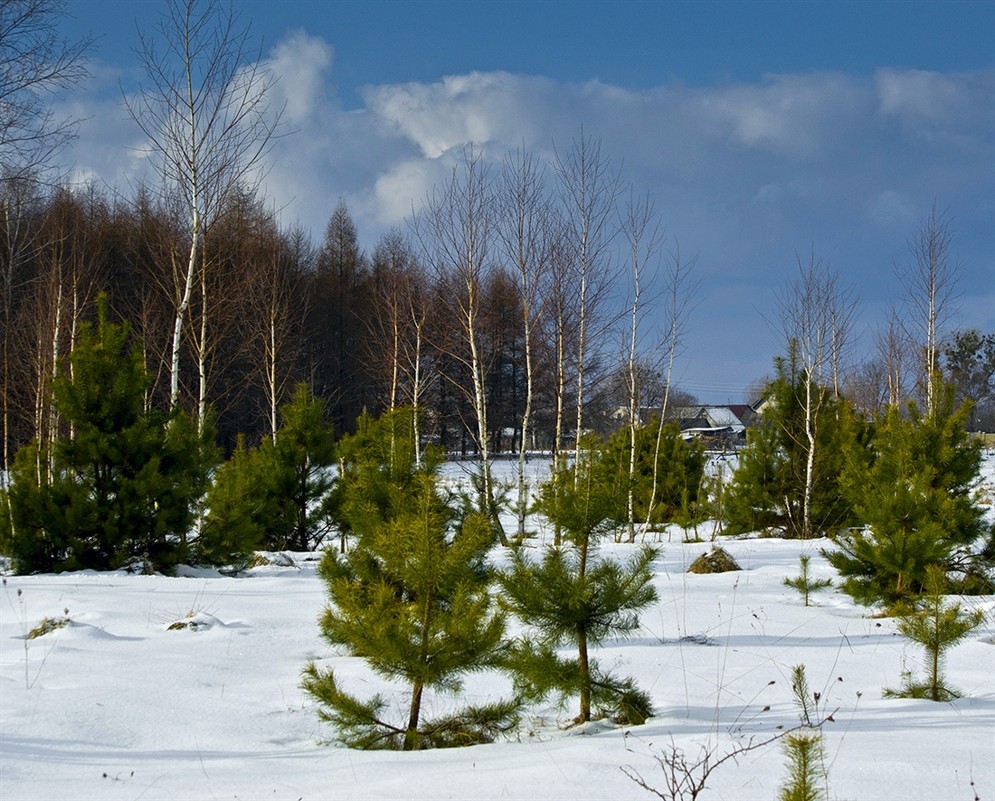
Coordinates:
column 119, row 705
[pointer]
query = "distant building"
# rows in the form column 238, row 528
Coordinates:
column 719, row 427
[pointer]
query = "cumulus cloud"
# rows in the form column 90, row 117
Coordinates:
column 460, row 109
column 785, row 114
column 300, row 66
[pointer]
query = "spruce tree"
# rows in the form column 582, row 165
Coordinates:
column 573, row 595
column 123, row 481
column 911, row 488
column 412, row 599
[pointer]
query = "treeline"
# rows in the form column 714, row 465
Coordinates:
column 270, row 308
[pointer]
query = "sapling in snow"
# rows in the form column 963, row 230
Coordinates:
column 804, row 582
column 571, row 596
column 411, row 599
column 807, row 775
column 937, row 627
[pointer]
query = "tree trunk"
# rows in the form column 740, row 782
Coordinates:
column 411, row 739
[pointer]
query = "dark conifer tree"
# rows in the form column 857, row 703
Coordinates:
column 339, row 302
column 912, row 489
column 123, row 484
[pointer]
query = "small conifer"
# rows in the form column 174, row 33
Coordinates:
column 911, row 487
column 803, row 747
column 937, row 627
column 574, row 596
column 412, row 599
column 804, row 582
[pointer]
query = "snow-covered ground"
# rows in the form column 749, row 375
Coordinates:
column 118, row 705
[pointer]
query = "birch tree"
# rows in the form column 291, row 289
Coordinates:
column 35, row 63
column 525, row 238
column 681, row 297
column 816, row 316
column 455, row 230
column 20, row 206
column 397, row 328
column 642, row 235
column 930, row 282
column 208, row 125
column 589, row 186
column 276, row 306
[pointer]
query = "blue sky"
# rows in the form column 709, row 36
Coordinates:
column 763, row 130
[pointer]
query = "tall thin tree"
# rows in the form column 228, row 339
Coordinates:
column 207, row 122
column 455, row 231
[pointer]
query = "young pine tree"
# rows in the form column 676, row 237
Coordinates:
column 912, row 490
column 787, row 479
column 804, row 582
column 411, row 598
column 275, row 496
column 807, row 775
column 937, row 628
column 573, row 595
column 123, row 482
column 303, row 453
column 236, row 501
column 679, row 474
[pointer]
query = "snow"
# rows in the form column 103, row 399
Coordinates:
column 122, row 704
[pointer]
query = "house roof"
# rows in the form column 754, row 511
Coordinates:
column 722, row 416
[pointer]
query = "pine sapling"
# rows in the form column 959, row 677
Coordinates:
column 936, row 627
column 411, row 598
column 804, row 582
column 807, row 775
column 575, row 596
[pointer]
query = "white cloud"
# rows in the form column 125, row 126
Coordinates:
column 920, row 96
column 300, row 63
column 458, row 110
column 403, row 189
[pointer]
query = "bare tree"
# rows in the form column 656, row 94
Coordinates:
column 642, row 234
column 275, row 306
column 35, row 62
column 561, row 324
column 66, row 282
column 20, row 207
column 589, row 189
column 683, row 287
column 397, row 326
column 387, row 323
column 892, row 348
column 455, row 231
column 930, row 281
column 205, row 115
column 525, row 236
